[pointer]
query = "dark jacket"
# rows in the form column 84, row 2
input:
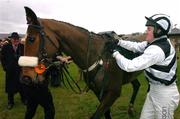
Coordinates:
column 9, row 60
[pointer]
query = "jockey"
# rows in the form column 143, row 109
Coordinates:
column 158, row 60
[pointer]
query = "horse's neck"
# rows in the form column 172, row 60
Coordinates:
column 81, row 45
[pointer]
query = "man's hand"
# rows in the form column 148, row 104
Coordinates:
column 64, row 59
column 111, row 45
column 115, row 53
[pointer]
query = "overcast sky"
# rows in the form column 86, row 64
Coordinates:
column 121, row 16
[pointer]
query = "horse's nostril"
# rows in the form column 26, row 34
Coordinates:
column 26, row 80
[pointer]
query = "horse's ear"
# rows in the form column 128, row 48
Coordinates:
column 31, row 16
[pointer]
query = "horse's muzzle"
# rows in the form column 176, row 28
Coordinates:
column 26, row 80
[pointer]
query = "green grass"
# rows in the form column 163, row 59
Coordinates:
column 69, row 105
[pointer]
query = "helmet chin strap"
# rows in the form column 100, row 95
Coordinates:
column 158, row 32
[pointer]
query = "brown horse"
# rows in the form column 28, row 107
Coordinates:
column 45, row 37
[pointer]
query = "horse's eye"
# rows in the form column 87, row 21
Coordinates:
column 30, row 39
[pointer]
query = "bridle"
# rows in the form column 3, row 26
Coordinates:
column 42, row 52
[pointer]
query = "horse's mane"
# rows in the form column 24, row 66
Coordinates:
column 81, row 28
column 77, row 27
column 69, row 24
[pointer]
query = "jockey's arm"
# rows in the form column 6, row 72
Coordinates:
column 133, row 46
column 152, row 55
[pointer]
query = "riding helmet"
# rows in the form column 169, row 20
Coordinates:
column 159, row 22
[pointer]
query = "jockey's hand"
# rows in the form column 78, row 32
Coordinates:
column 112, row 51
column 115, row 52
column 115, row 41
column 111, row 45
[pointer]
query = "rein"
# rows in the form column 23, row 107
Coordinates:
column 64, row 73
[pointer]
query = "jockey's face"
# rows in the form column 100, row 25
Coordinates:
column 149, row 34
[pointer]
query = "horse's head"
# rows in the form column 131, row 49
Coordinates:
column 36, row 49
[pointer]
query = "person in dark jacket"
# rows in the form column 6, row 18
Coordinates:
column 39, row 94
column 54, row 76
column 10, row 54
